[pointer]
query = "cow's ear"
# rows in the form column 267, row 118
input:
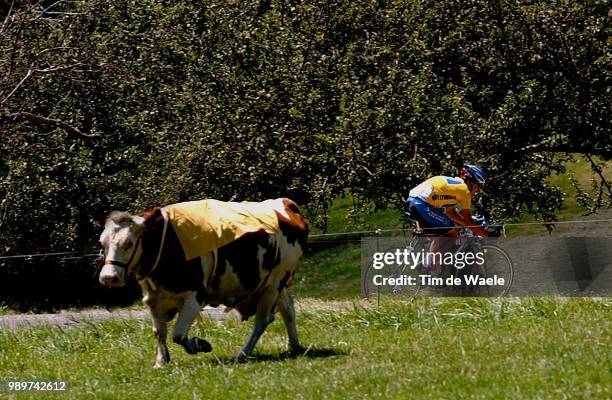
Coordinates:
column 152, row 217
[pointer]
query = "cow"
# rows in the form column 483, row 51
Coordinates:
column 250, row 274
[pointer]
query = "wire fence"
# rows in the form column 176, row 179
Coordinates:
column 390, row 230
column 90, row 252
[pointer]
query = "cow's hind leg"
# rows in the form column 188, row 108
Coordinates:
column 160, row 332
column 285, row 306
column 263, row 317
column 186, row 316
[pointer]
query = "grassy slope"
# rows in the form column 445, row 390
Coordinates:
column 430, row 348
column 570, row 209
column 581, row 168
column 338, row 221
column 334, row 272
column 331, row 273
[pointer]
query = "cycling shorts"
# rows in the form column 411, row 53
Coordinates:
column 428, row 215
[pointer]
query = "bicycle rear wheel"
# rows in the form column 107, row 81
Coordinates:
column 392, row 279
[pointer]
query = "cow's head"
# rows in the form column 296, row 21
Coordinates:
column 122, row 247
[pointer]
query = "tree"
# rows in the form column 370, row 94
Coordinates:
column 141, row 103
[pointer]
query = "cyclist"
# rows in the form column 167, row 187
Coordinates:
column 442, row 204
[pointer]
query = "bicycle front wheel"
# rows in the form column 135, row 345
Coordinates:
column 497, row 271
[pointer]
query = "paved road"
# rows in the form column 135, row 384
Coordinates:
column 561, row 266
column 64, row 319
column 575, row 261
column 80, row 318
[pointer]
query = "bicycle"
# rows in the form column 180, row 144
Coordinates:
column 450, row 280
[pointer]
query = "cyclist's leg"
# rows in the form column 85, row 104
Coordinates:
column 434, row 221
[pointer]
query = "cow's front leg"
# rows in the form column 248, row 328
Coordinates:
column 187, row 315
column 263, row 317
column 160, row 332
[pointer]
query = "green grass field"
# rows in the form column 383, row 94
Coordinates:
column 427, row 348
column 430, row 348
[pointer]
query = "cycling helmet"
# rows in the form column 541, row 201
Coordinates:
column 473, row 172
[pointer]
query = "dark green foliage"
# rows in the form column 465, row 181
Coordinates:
column 246, row 100
column 48, row 284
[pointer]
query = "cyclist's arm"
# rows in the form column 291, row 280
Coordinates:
column 455, row 216
column 476, row 228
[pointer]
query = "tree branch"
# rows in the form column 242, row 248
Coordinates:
column 545, row 146
column 48, row 122
column 58, row 68
column 53, row 49
column 32, row 71
column 8, row 16
column 27, row 75
column 46, row 10
column 597, row 169
column 539, row 159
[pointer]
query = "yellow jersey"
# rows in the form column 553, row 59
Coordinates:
column 442, row 191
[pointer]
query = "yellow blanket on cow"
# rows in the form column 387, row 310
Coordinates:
column 206, row 225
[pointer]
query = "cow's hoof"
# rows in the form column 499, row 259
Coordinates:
column 297, row 350
column 163, row 358
column 241, row 357
column 196, row 345
column 201, row 345
column 193, row 345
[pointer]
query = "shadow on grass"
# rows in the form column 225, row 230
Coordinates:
column 310, row 353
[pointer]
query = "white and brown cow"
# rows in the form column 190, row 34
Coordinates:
column 250, row 274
